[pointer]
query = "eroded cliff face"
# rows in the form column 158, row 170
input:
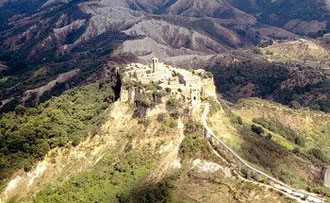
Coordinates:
column 155, row 103
column 119, row 134
column 172, row 30
column 129, row 152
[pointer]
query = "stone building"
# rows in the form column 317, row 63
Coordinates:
column 190, row 87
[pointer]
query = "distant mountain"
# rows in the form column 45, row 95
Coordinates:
column 63, row 35
column 52, row 30
column 67, row 134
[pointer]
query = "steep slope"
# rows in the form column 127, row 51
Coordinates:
column 302, row 51
column 83, row 34
column 170, row 41
column 63, row 26
column 275, row 80
column 266, row 135
column 303, row 17
column 114, row 144
column 56, row 28
column 143, row 163
column 137, row 149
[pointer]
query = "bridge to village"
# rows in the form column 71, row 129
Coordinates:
column 281, row 186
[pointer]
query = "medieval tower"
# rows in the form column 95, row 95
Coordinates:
column 155, row 65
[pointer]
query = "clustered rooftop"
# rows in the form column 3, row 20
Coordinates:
column 187, row 86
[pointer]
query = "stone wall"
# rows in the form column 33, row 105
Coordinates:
column 326, row 177
column 190, row 87
column 209, row 89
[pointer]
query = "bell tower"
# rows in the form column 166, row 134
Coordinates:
column 155, row 65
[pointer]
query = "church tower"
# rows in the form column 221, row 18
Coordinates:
column 155, row 65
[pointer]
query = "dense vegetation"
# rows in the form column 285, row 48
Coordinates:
column 267, row 79
column 280, row 129
column 262, row 144
column 274, row 158
column 194, row 145
column 113, row 179
column 27, row 134
column 12, row 8
column 157, row 192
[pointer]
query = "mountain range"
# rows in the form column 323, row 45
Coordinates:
column 174, row 30
column 87, row 116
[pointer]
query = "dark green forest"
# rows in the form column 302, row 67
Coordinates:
column 268, row 78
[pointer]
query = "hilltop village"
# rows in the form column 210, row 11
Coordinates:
column 161, row 84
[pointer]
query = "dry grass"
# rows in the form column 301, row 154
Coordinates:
column 314, row 126
column 306, row 51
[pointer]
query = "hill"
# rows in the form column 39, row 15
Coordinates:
column 273, row 80
column 289, row 144
column 308, row 52
column 162, row 153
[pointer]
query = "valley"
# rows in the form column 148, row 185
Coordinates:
column 164, row 101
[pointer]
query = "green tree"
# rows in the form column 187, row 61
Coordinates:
column 317, row 153
column 294, row 105
column 269, row 136
column 257, row 129
column 20, row 109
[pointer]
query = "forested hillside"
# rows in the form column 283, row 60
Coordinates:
column 284, row 83
column 27, row 134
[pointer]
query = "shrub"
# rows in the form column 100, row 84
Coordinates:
column 299, row 141
column 175, row 115
column 236, row 119
column 144, row 101
column 279, row 128
column 245, row 172
column 20, row 109
column 192, row 126
column 294, row 105
column 75, row 140
column 239, row 120
column 172, row 124
column 144, row 121
column 296, row 150
column 173, row 102
column 269, row 136
column 215, row 106
column 257, row 129
column 150, row 86
column 317, row 153
column 27, row 166
column 194, row 145
column 159, row 93
column 120, row 167
column 161, row 117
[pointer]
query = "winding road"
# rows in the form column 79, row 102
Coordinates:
column 284, row 187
